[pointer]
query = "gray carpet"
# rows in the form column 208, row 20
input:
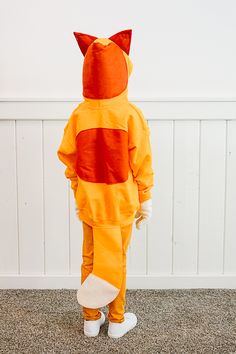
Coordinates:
column 169, row 321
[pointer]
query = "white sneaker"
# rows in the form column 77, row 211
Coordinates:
column 92, row 328
column 116, row 330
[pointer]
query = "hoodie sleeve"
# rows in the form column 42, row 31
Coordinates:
column 67, row 152
column 140, row 154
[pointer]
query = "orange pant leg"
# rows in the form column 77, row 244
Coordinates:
column 87, row 267
column 117, row 306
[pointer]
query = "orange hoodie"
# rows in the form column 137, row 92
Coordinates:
column 106, row 142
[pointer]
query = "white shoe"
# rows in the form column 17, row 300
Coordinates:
column 116, row 330
column 92, row 328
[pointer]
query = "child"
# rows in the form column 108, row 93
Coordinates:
column 106, row 148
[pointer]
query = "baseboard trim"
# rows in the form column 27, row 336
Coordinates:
column 133, row 281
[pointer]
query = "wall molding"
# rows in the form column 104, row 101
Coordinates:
column 133, row 281
column 166, row 108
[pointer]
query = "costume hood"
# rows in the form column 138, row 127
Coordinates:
column 107, row 65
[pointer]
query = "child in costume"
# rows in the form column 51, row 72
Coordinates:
column 106, row 148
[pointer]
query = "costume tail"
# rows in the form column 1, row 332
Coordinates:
column 103, row 285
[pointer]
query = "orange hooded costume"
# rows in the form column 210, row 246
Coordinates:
column 106, row 149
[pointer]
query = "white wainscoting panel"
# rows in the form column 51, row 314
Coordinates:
column 190, row 241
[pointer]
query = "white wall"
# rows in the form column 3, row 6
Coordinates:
column 184, row 81
column 181, row 48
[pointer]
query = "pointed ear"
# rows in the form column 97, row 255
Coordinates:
column 123, row 39
column 84, row 41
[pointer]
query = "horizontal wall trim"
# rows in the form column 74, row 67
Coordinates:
column 153, row 109
column 133, row 281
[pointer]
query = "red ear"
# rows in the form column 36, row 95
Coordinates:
column 84, row 41
column 123, row 39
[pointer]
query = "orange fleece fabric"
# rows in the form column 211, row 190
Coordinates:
column 106, row 142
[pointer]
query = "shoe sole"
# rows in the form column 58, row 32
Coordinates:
column 91, row 334
column 118, row 336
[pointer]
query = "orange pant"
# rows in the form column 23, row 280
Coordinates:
column 117, row 306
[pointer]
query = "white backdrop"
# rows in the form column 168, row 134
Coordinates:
column 183, row 48
column 184, row 80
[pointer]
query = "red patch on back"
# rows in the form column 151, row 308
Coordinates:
column 102, row 155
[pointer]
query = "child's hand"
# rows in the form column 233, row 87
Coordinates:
column 144, row 213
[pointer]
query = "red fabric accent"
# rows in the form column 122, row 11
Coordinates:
column 105, row 72
column 84, row 41
column 123, row 40
column 102, row 155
